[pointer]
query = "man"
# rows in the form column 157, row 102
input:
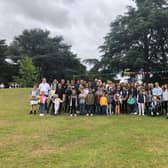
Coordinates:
column 157, row 91
column 61, row 93
column 44, row 87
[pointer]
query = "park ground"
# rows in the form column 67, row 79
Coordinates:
column 62, row 142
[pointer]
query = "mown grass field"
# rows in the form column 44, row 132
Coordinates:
column 63, row 142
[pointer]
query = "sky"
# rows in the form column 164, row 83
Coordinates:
column 82, row 23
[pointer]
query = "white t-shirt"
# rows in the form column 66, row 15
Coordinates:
column 165, row 95
column 44, row 87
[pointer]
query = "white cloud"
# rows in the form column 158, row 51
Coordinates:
column 83, row 23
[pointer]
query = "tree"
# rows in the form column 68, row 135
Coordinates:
column 7, row 70
column 138, row 39
column 52, row 57
column 27, row 72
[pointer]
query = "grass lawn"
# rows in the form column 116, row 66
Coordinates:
column 63, row 142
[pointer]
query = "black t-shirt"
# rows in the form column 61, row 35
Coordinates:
column 60, row 93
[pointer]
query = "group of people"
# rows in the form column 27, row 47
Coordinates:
column 90, row 98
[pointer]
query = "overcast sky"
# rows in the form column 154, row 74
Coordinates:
column 83, row 23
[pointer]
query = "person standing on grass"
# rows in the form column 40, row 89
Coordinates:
column 42, row 101
column 82, row 97
column 45, row 88
column 131, row 103
column 124, row 97
column 34, row 99
column 109, row 100
column 73, row 103
column 51, row 99
column 141, row 99
column 165, row 99
column 61, row 94
column 56, row 102
column 117, row 99
column 90, row 103
column 103, row 103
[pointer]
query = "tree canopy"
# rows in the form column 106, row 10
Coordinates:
column 138, row 39
column 51, row 56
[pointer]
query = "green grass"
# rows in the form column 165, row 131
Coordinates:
column 64, row 142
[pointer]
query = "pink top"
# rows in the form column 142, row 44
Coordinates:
column 43, row 99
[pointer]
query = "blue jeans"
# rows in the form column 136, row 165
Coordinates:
column 82, row 108
column 42, row 108
column 103, row 108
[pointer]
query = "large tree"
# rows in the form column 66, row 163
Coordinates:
column 7, row 69
column 52, row 57
column 138, row 39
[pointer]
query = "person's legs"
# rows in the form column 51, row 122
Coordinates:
column 139, row 108
column 56, row 108
column 143, row 109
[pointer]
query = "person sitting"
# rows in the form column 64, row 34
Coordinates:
column 155, row 106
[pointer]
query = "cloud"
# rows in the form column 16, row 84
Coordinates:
column 83, row 23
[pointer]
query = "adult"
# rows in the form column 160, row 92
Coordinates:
column 44, row 87
column 157, row 91
column 54, row 84
column 61, row 94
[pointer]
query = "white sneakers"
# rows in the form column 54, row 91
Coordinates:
column 41, row 114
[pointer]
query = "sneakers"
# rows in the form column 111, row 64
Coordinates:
column 91, row 115
column 87, row 114
column 41, row 114
column 31, row 112
column 71, row 115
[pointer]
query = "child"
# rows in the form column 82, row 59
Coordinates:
column 141, row 99
column 73, row 103
column 103, row 103
column 90, row 103
column 117, row 99
column 42, row 101
column 51, row 99
column 148, row 101
column 56, row 102
column 131, row 103
column 33, row 99
column 109, row 107
column 155, row 106
column 82, row 97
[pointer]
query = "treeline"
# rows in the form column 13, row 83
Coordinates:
column 35, row 54
column 138, row 40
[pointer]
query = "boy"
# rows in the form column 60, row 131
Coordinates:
column 103, row 103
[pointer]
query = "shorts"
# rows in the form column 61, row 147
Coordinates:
column 33, row 102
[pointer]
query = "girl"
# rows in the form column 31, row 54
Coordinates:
column 165, row 99
column 51, row 99
column 109, row 107
column 141, row 99
column 131, row 103
column 33, row 99
column 73, row 103
column 117, row 99
column 82, row 97
column 42, row 102
column 56, row 102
